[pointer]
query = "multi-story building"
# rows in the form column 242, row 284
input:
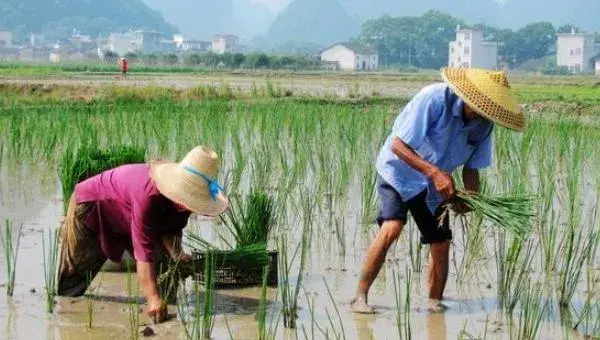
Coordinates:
column 576, row 51
column 225, row 43
column 191, row 45
column 470, row 50
column 147, row 41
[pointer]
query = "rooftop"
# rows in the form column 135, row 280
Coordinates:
column 356, row 47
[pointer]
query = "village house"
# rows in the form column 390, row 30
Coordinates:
column 147, row 41
column 577, row 52
column 470, row 50
column 119, row 43
column 191, row 45
column 596, row 60
column 222, row 44
column 351, row 56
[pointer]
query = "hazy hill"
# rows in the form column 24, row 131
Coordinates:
column 58, row 18
column 319, row 22
column 204, row 18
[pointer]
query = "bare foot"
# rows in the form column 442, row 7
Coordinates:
column 359, row 305
column 436, row 306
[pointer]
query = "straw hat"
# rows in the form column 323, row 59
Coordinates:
column 192, row 182
column 488, row 93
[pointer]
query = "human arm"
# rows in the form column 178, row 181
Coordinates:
column 442, row 180
column 172, row 244
column 157, row 308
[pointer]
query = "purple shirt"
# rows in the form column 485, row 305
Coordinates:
column 129, row 212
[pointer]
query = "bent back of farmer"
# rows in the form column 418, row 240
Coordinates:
column 141, row 208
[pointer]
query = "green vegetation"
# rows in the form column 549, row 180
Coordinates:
column 313, row 159
column 250, row 222
column 51, row 252
column 88, row 161
column 514, row 213
column 11, row 253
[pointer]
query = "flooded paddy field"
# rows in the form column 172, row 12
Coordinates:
column 315, row 156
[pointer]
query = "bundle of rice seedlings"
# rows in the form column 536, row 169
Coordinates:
column 88, row 161
column 512, row 213
column 250, row 222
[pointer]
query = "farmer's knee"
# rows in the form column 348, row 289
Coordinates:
column 390, row 230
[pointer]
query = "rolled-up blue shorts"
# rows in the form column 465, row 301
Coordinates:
column 393, row 208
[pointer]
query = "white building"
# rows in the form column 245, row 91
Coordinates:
column 471, row 50
column 351, row 57
column 576, row 51
column 191, row 45
column 225, row 43
column 6, row 38
column 147, row 41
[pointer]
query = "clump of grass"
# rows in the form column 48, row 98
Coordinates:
column 89, row 161
column 10, row 254
column 512, row 213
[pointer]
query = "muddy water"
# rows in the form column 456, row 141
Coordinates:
column 471, row 306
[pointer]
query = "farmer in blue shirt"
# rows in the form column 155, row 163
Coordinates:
column 444, row 127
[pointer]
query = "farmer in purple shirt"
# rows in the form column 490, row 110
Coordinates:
column 444, row 127
column 141, row 208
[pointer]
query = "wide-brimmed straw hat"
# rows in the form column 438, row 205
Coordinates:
column 488, row 93
column 192, row 183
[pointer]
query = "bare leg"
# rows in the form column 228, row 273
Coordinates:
column 438, row 269
column 389, row 232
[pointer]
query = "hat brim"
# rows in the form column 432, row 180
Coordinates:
column 167, row 178
column 508, row 114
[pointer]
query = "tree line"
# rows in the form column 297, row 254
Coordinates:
column 423, row 41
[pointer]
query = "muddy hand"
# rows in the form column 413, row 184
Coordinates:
column 157, row 310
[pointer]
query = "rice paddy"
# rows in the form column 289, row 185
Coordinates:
column 314, row 159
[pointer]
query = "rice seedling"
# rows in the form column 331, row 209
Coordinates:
column 190, row 321
column 11, row 253
column 132, row 304
column 289, row 296
column 208, row 318
column 89, row 161
column 403, row 326
column 250, row 222
column 533, row 306
column 342, row 334
column 92, row 296
column 50, row 251
column 513, row 213
column 513, row 261
column 265, row 333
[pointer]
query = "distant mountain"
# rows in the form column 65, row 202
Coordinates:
column 311, row 22
column 250, row 19
column 197, row 18
column 58, row 18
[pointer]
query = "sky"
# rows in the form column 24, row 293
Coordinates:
column 273, row 5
